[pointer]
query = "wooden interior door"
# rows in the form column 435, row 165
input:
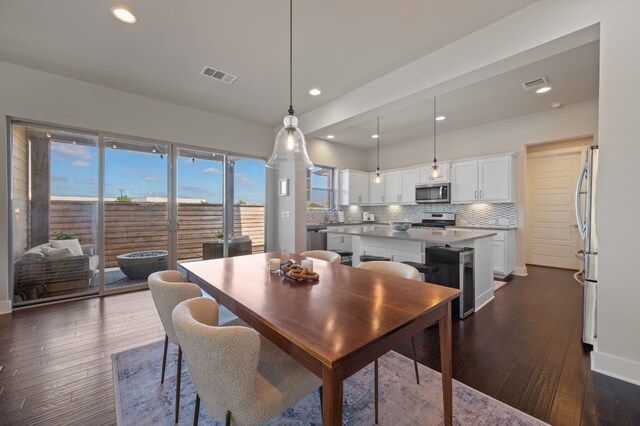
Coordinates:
column 553, row 238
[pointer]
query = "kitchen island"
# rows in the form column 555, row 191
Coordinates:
column 410, row 245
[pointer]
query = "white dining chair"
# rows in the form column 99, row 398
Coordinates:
column 168, row 289
column 399, row 270
column 235, row 377
column 329, row 256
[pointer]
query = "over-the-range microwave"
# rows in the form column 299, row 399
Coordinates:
column 433, row 193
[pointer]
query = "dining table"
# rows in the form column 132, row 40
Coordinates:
column 335, row 326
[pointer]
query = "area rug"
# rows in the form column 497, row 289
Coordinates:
column 142, row 400
column 497, row 285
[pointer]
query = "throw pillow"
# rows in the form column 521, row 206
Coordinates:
column 73, row 245
column 56, row 252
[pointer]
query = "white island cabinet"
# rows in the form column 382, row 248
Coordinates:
column 504, row 249
column 411, row 245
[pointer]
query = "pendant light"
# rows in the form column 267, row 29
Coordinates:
column 435, row 170
column 378, row 139
column 290, row 149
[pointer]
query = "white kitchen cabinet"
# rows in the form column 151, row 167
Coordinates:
column 339, row 242
column 495, row 179
column 405, row 256
column 354, row 187
column 483, row 180
column 499, row 263
column 504, row 249
column 464, row 181
column 424, row 173
column 400, row 186
column 408, row 178
column 376, row 190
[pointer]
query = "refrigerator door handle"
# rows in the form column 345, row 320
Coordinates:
column 582, row 226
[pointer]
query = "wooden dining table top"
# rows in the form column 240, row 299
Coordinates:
column 342, row 313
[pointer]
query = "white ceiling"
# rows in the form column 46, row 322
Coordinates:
column 573, row 76
column 338, row 45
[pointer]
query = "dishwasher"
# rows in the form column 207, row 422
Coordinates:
column 316, row 240
column 455, row 269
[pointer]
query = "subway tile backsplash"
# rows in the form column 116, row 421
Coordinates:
column 466, row 214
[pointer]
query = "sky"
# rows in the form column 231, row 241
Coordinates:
column 74, row 172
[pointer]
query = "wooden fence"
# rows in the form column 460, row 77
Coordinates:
column 135, row 226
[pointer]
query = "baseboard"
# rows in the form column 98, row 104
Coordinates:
column 616, row 367
column 5, row 307
column 520, row 271
column 484, row 298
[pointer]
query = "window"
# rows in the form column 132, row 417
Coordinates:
column 320, row 187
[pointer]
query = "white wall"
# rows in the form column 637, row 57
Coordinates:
column 336, row 155
column 618, row 347
column 510, row 135
column 36, row 95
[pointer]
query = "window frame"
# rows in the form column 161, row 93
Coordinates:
column 331, row 189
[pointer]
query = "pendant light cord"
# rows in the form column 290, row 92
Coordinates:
column 290, row 57
column 434, row 130
column 378, row 139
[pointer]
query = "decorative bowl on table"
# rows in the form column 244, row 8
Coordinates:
column 400, row 225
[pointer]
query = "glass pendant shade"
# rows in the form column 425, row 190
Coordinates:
column 290, row 149
column 435, row 171
column 378, row 175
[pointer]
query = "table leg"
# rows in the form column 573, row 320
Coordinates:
column 331, row 397
column 445, row 364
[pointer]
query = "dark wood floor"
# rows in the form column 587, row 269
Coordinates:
column 523, row 349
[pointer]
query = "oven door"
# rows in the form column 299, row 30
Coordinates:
column 438, row 193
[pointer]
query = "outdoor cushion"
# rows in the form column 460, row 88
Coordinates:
column 73, row 245
column 56, row 252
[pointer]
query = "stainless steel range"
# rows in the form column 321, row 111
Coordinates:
column 436, row 221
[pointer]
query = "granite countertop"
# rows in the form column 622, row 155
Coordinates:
column 311, row 226
column 429, row 236
column 492, row 227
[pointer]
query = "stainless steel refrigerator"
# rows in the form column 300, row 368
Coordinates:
column 586, row 211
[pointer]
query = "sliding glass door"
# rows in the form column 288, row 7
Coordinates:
column 246, row 194
column 135, row 212
column 200, row 205
column 54, row 200
column 96, row 213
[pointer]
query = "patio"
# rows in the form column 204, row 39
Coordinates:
column 142, row 226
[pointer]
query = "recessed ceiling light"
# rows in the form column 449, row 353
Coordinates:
column 440, row 118
column 374, row 136
column 124, row 15
column 544, row 89
column 558, row 104
column 314, row 92
column 330, row 136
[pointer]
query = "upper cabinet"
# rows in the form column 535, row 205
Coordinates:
column 464, row 181
column 354, row 187
column 483, row 180
column 400, row 186
column 424, row 173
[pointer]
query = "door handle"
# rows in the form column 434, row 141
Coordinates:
column 582, row 226
column 475, row 194
column 481, row 193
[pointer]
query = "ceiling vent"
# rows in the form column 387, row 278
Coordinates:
column 535, row 84
column 222, row 76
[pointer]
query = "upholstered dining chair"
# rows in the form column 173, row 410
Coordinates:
column 399, row 270
column 329, row 256
column 236, row 378
column 168, row 289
